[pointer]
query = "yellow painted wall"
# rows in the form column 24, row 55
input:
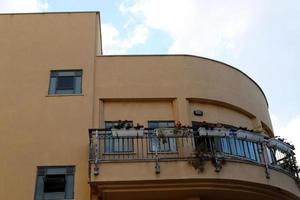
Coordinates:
column 220, row 114
column 138, row 111
column 182, row 170
column 181, row 78
column 35, row 129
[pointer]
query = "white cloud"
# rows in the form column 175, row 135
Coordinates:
column 113, row 43
column 206, row 28
column 289, row 131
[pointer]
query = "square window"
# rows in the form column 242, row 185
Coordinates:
column 65, row 82
column 55, row 182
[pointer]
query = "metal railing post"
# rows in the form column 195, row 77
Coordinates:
column 156, row 141
column 266, row 160
column 157, row 166
column 97, row 154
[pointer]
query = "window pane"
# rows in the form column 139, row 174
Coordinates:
column 127, row 144
column 271, row 156
column 154, row 143
column 251, row 150
column 172, row 142
column 109, row 124
column 152, row 124
column 54, row 170
column 54, row 183
column 240, row 148
column 171, row 124
column 246, row 147
column 168, row 145
column 162, row 125
column 122, row 144
column 65, row 83
column 225, row 145
column 117, row 144
column 257, row 158
column 108, row 144
column 66, row 73
column 232, row 146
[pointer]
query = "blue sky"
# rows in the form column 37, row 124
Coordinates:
column 259, row 37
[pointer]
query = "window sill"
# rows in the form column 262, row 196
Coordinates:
column 63, row 95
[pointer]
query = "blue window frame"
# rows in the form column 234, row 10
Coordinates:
column 55, row 182
column 169, row 145
column 65, row 82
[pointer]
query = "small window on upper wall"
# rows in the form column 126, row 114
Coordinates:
column 55, row 182
column 65, row 82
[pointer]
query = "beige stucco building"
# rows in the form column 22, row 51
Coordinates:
column 76, row 124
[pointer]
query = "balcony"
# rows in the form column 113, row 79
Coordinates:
column 197, row 146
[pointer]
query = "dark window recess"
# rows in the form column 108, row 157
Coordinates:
column 55, row 183
column 65, row 82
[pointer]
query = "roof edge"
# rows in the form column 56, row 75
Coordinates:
column 39, row 13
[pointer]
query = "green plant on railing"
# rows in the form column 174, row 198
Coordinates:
column 183, row 130
column 288, row 164
column 285, row 141
column 164, row 133
column 203, row 153
column 295, row 170
column 200, row 154
column 123, row 124
column 161, row 135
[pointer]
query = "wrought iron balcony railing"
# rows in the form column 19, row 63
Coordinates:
column 196, row 146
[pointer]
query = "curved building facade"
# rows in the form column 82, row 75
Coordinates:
column 76, row 124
